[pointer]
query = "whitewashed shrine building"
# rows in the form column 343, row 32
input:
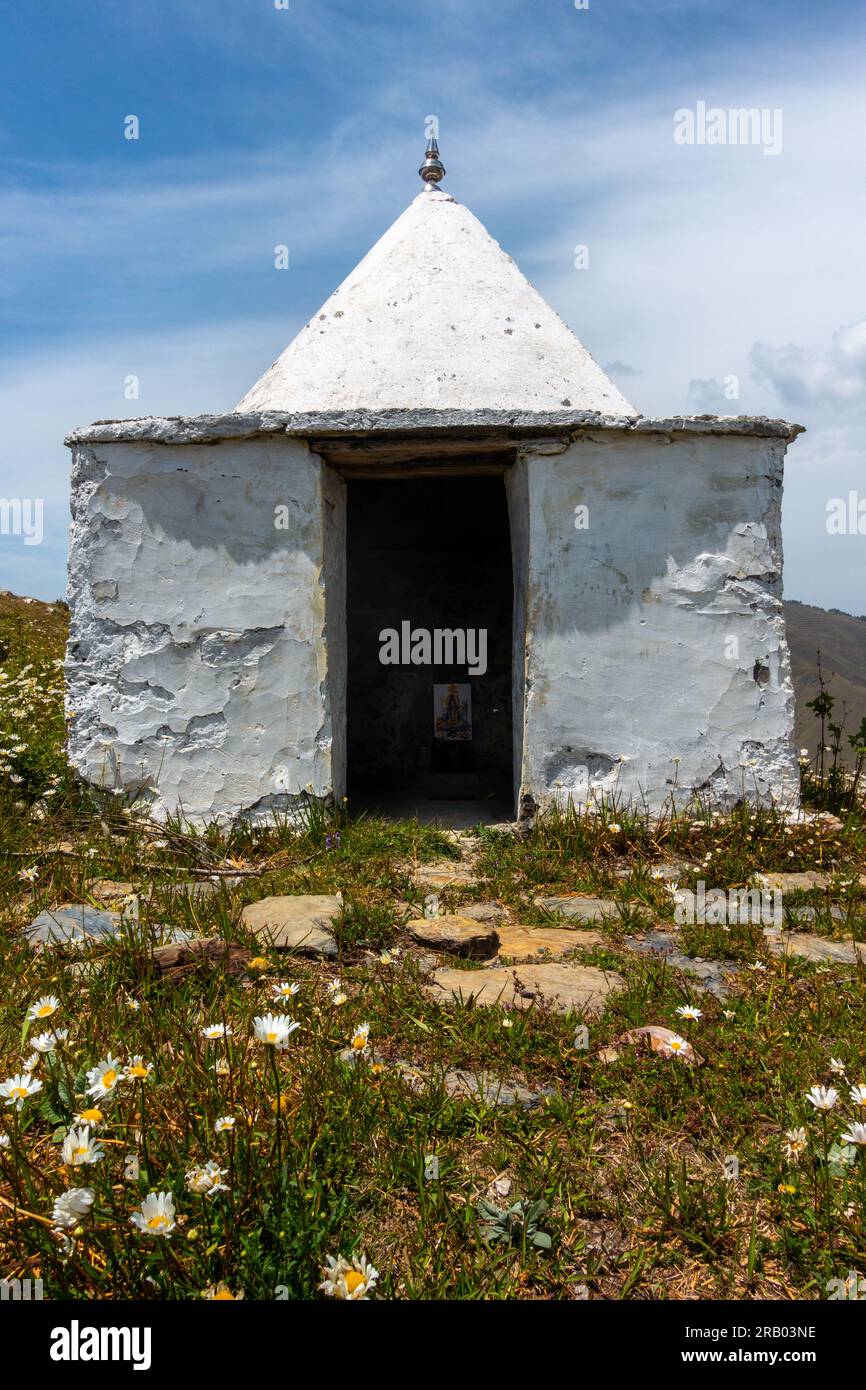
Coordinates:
column 434, row 553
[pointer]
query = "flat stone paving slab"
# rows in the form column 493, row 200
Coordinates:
column 73, row 924
column 527, row 943
column 460, row 936
column 581, row 909
column 817, row 948
column 491, row 1090
column 568, row 988
column 298, row 922
column 710, row 975
column 438, row 876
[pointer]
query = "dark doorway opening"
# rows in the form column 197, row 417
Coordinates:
column 429, row 597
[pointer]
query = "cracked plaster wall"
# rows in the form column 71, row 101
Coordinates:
column 657, row 633
column 199, row 661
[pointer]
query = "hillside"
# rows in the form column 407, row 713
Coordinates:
column 841, row 640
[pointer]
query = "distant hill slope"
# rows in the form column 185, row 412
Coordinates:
column 841, row 640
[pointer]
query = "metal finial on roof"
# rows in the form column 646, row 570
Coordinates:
column 432, row 170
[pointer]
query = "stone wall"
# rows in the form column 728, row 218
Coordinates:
column 656, row 660
column 198, row 663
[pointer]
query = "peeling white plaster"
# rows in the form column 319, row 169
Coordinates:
column 631, row 624
column 198, row 657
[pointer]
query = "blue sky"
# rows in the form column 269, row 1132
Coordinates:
column 261, row 126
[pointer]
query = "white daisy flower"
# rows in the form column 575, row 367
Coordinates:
column 91, row 1117
column 677, row 1046
column 855, row 1134
column 48, row 1042
column 78, row 1148
column 274, row 1030
column 156, row 1217
column 71, row 1206
column 689, row 1011
column 858, row 1094
column 224, row 1122
column 795, row 1143
column 837, row 1067
column 355, row 1281
column 16, row 1089
column 43, row 1008
column 104, row 1077
column 284, row 990
column 823, row 1097
column 207, row 1181
column 215, row 1032
column 137, row 1069
column 360, row 1038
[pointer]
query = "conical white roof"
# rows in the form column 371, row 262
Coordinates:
column 436, row 316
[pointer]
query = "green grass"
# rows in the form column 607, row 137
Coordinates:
column 627, row 1154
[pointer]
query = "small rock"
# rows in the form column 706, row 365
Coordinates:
column 490, row 1090
column 177, row 960
column 482, row 912
column 658, row 1039
column 568, row 988
column 298, row 922
column 528, row 943
column 458, row 935
column 580, row 909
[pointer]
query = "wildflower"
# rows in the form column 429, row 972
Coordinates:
column 156, row 1217
column 355, row 1281
column 758, row 965
column 858, row 1094
column 91, row 1117
column 220, row 1292
column 360, row 1038
column 690, row 1012
column 16, row 1089
column 823, row 1097
column 103, row 1078
column 728, row 1014
column 137, row 1069
column 787, row 1188
column 855, row 1134
column 47, row 1042
column 43, row 1008
column 216, row 1031
column 508, row 1023
column 614, row 828
column 71, row 1206
column 837, row 1067
column 795, row 1143
column 284, row 990
column 677, row 1046
column 258, row 963
column 222, row 1067
column 224, row 1122
column 78, row 1148
column 29, row 875
column 274, row 1030
column 207, row 1181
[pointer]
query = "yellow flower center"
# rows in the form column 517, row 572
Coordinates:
column 82, row 1149
column 222, row 1296
column 271, row 1038
column 140, row 1072
column 92, row 1117
column 18, row 1092
column 156, row 1223
column 353, row 1280
column 109, row 1078
column 359, row 1041
column 45, row 1011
